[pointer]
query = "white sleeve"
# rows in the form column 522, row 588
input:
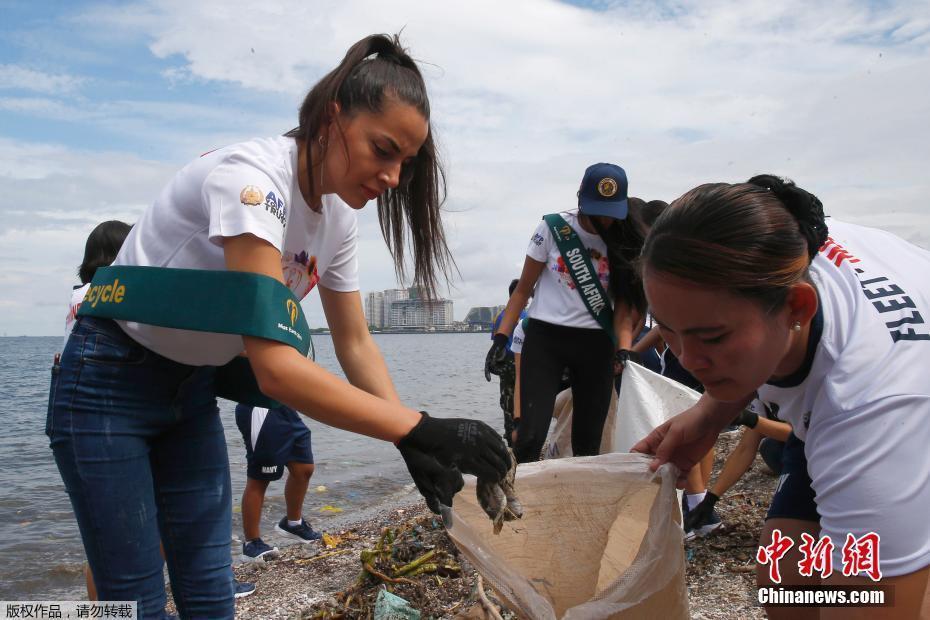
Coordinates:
column 239, row 199
column 516, row 344
column 342, row 273
column 540, row 243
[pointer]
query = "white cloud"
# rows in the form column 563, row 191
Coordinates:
column 22, row 78
column 527, row 93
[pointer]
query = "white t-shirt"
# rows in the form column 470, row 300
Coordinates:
column 249, row 187
column 556, row 299
column 77, row 296
column 863, row 409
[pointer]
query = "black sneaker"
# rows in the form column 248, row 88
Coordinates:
column 258, row 551
column 705, row 527
column 244, row 588
column 303, row 532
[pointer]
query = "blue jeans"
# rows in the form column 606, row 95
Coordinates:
column 139, row 444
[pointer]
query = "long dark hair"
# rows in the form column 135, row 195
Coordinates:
column 374, row 69
column 102, row 246
column 624, row 239
column 756, row 238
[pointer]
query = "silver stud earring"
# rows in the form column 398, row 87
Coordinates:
column 796, row 327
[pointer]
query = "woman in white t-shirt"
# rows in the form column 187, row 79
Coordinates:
column 100, row 249
column 755, row 296
column 132, row 415
column 561, row 330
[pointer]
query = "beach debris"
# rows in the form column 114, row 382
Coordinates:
column 321, row 489
column 331, row 541
column 328, row 508
column 491, row 608
column 413, row 560
column 499, row 499
column 392, row 607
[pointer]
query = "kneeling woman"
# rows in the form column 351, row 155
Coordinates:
column 754, row 294
column 133, row 418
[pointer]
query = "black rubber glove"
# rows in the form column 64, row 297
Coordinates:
column 701, row 513
column 436, row 482
column 496, row 355
column 624, row 356
column 747, row 418
column 471, row 446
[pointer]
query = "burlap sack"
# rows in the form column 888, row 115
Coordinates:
column 599, row 539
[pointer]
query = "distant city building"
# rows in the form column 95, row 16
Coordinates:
column 482, row 317
column 407, row 309
column 421, row 314
column 374, row 309
column 390, row 296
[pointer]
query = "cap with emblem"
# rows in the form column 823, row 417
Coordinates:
column 603, row 191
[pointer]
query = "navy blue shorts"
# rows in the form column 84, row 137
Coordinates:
column 280, row 438
column 794, row 497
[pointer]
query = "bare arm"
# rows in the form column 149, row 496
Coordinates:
column 356, row 350
column 285, row 375
column 517, row 302
column 773, row 429
column 627, row 324
column 738, row 463
column 649, row 340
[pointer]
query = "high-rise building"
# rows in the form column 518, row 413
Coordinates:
column 407, row 309
column 374, row 309
column 421, row 314
column 390, row 296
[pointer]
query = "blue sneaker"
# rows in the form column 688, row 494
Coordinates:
column 244, row 588
column 258, row 551
column 303, row 532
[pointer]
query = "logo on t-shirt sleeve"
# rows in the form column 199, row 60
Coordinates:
column 251, row 195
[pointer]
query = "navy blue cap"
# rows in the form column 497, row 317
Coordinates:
column 603, row 191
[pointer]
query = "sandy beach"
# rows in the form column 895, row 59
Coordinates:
column 323, row 580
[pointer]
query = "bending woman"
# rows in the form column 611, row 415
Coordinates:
column 567, row 328
column 133, row 419
column 754, row 294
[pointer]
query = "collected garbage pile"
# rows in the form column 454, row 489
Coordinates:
column 412, row 571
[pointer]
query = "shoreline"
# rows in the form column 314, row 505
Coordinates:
column 313, row 581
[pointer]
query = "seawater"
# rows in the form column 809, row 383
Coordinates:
column 39, row 540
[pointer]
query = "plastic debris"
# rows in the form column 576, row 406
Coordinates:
column 328, row 508
column 392, row 607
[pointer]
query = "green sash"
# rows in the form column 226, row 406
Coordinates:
column 583, row 274
column 227, row 302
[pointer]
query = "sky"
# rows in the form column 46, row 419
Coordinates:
column 102, row 102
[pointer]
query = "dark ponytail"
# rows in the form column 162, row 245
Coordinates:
column 756, row 239
column 102, row 246
column 804, row 206
column 375, row 69
column 624, row 240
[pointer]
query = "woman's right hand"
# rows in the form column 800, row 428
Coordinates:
column 458, row 445
column 683, row 440
column 470, row 445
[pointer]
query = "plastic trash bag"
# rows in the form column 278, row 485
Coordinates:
column 646, row 401
column 599, row 538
